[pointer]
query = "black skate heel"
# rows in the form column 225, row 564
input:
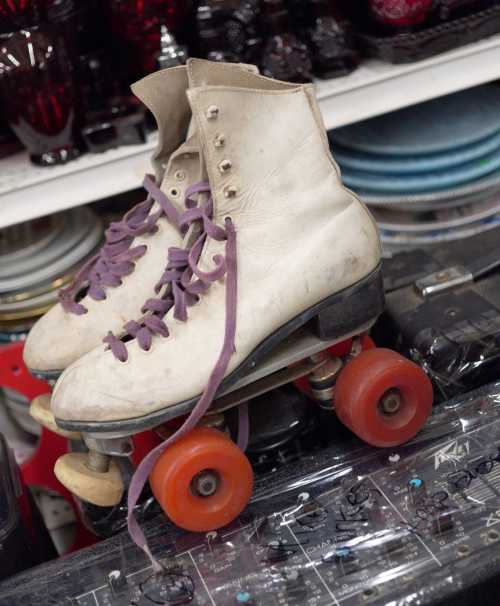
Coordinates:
column 350, row 309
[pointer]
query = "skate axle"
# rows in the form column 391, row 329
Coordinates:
column 205, row 483
column 322, row 380
column 390, row 402
column 97, row 461
column 116, row 447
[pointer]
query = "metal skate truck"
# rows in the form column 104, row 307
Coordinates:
column 271, row 263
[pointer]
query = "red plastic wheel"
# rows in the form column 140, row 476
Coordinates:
column 203, row 481
column 382, row 397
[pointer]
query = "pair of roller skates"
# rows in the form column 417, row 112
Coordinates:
column 271, row 262
column 203, row 481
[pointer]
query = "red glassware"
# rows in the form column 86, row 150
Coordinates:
column 38, row 95
column 138, row 25
column 16, row 14
column 401, row 13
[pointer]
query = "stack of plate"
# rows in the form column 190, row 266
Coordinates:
column 430, row 173
column 38, row 258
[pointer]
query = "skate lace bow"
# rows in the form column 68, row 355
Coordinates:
column 117, row 256
column 186, row 281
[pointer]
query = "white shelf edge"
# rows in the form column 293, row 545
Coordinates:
column 342, row 101
column 391, row 87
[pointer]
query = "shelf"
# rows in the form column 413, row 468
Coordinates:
column 27, row 192
column 377, row 88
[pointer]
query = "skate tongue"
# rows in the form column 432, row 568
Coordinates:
column 185, row 159
column 202, row 73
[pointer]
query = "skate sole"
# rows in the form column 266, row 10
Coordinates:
column 45, row 375
column 336, row 318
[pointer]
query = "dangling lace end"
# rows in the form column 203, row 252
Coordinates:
column 157, row 566
column 142, row 472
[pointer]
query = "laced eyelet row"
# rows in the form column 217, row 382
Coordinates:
column 116, row 259
column 225, row 166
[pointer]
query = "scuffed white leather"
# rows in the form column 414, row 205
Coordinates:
column 59, row 338
column 301, row 236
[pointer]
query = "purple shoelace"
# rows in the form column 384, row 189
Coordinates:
column 185, row 291
column 116, row 258
column 181, row 268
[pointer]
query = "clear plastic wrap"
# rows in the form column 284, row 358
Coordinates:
column 452, row 330
column 348, row 524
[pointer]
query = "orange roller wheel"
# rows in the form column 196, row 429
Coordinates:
column 382, row 397
column 203, row 481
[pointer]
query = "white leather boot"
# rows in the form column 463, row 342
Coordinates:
column 111, row 288
column 283, row 244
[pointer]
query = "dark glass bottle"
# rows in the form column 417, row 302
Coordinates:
column 328, row 36
column 227, row 30
column 284, row 56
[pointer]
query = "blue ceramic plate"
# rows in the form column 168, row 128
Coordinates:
column 418, row 222
column 475, row 191
column 441, row 235
column 397, row 165
column 424, row 182
column 432, row 127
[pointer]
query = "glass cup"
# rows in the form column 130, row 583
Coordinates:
column 38, row 94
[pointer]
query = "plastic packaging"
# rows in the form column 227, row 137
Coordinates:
column 453, row 329
column 348, row 524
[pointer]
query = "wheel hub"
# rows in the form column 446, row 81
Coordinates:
column 205, row 483
column 390, row 402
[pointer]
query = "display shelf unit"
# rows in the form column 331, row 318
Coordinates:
column 27, row 192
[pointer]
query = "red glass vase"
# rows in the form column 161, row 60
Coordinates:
column 38, row 95
column 401, row 13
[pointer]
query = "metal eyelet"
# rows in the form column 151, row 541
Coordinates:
column 212, row 112
column 219, row 141
column 225, row 166
column 180, row 175
column 230, row 191
column 174, row 192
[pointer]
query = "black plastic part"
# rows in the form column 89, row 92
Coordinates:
column 350, row 309
column 24, row 541
column 455, row 334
